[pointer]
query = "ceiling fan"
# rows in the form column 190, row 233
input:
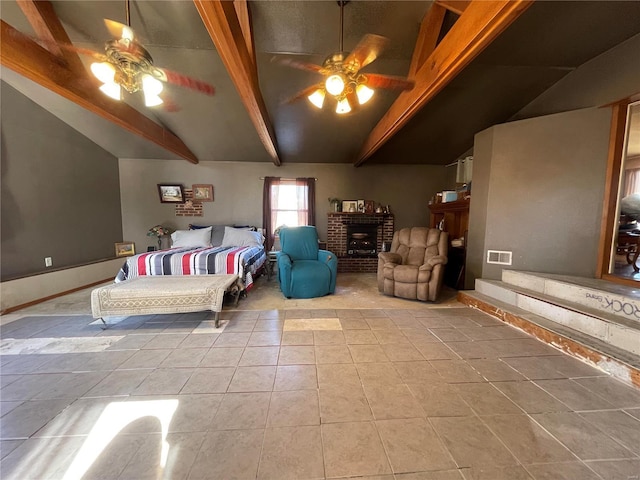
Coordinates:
column 126, row 64
column 343, row 80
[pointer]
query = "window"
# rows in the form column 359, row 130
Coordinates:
column 287, row 202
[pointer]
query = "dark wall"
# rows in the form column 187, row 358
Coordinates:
column 60, row 192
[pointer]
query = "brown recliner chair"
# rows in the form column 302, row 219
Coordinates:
column 414, row 268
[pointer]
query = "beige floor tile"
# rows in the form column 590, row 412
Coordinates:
column 187, row 357
column 485, row 399
column 204, row 340
column 494, row 370
column 354, row 324
column 344, row 404
column 378, row 374
column 292, row 453
column 418, row 372
column 581, row 437
column 297, row 355
column 368, row 353
column 195, row 413
column 530, row 397
column 616, row 469
column 527, row 440
column 209, row 380
column 572, row 394
column 227, row 340
column 48, row 458
column 440, row 400
column 442, row 475
column 435, row 351
column 242, row 410
column 563, row 471
column 456, row 371
column 390, row 336
column 471, row 443
column 614, row 391
column 264, row 339
column 412, row 445
column 310, row 324
column 220, row 450
column 270, row 325
column 380, row 323
column 332, row 354
column 296, row 377
column 392, row 401
column 360, row 337
column 449, row 335
column 620, row 426
column 253, row 379
column 222, row 357
column 256, row 356
column 401, row 352
column 420, row 335
column 338, row 375
column 353, row 449
column 407, row 322
column 295, row 337
column 165, row 340
column 294, row 408
column 328, row 337
column 145, row 359
column 634, row 412
column 239, row 326
column 164, row 381
column 513, row 472
column 323, row 313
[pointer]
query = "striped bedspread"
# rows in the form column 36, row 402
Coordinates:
column 243, row 261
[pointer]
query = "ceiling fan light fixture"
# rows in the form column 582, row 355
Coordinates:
column 103, row 71
column 317, row 98
column 151, row 87
column 343, row 106
column 364, row 93
column 112, row 90
column 334, row 84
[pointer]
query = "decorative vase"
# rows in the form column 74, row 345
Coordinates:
column 159, row 243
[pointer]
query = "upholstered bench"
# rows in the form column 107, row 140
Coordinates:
column 164, row 294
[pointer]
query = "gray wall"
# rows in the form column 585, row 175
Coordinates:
column 60, row 192
column 538, row 188
column 238, row 191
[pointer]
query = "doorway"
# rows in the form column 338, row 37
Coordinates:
column 623, row 222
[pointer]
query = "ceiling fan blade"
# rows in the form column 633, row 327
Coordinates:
column 302, row 94
column 186, row 82
column 290, row 62
column 389, row 82
column 367, row 50
column 168, row 105
column 119, row 30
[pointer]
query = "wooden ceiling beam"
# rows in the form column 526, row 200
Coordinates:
column 47, row 26
column 427, row 37
column 476, row 28
column 455, row 6
column 221, row 21
column 244, row 18
column 24, row 56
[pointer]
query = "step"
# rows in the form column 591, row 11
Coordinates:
column 609, row 358
column 617, row 331
column 592, row 293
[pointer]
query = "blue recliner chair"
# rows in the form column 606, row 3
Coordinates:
column 304, row 270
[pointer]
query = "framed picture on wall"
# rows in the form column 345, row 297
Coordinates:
column 125, row 249
column 349, row 206
column 202, row 193
column 171, row 193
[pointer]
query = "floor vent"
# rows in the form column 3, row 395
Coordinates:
column 499, row 257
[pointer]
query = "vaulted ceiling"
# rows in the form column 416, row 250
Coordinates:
column 475, row 64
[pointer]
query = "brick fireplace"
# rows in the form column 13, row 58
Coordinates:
column 337, row 225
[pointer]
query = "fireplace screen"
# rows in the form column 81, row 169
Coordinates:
column 362, row 240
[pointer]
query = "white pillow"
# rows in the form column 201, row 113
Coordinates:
column 237, row 237
column 192, row 238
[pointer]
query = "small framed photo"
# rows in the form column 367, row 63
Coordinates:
column 361, row 206
column 171, row 193
column 125, row 249
column 349, row 206
column 368, row 206
column 202, row 193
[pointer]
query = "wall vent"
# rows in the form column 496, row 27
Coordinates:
column 499, row 257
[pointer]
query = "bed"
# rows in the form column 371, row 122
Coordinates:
column 239, row 252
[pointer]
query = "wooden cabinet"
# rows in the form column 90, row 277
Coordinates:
column 455, row 220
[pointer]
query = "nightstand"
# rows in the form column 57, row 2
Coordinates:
column 270, row 264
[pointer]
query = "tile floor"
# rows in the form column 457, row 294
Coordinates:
column 415, row 393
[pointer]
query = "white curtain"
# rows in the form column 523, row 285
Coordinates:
column 632, row 182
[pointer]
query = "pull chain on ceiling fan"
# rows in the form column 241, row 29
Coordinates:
column 344, row 83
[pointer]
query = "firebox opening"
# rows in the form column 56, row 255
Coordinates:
column 362, row 240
